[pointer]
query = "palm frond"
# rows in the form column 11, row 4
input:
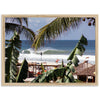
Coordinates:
column 17, row 20
column 79, row 49
column 26, row 21
column 11, row 27
column 11, row 54
column 54, row 29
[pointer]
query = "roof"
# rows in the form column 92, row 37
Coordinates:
column 82, row 66
column 90, row 71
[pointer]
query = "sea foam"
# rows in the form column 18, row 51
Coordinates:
column 32, row 57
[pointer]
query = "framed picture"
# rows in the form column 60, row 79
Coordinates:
column 49, row 50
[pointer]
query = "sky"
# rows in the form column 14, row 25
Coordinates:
column 72, row 34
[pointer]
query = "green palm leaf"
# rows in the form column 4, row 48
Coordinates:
column 21, row 21
column 11, row 54
column 54, row 29
column 28, row 33
column 22, row 72
column 79, row 49
column 20, row 25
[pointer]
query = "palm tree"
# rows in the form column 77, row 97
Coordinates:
column 13, row 45
column 91, row 21
column 57, row 26
column 48, row 32
column 54, row 29
column 12, row 52
column 20, row 25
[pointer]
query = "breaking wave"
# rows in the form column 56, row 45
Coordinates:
column 47, row 50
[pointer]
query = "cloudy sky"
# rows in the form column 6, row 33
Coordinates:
column 72, row 34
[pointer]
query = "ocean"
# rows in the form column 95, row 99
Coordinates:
column 55, row 49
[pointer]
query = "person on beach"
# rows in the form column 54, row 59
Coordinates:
column 41, row 55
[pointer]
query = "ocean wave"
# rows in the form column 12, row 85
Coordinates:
column 53, row 58
column 46, row 50
column 27, row 51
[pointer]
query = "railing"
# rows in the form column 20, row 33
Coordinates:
column 35, row 69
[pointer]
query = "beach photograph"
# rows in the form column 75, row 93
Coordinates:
column 50, row 49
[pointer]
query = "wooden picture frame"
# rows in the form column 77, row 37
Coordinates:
column 50, row 84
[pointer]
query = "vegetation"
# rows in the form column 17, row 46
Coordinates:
column 61, row 74
column 22, row 72
column 14, row 44
column 20, row 25
column 91, row 21
column 48, row 32
column 42, row 67
column 56, row 27
column 64, row 74
column 11, row 54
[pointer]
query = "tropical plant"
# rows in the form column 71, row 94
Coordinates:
column 15, row 24
column 11, row 53
column 54, row 29
column 48, row 32
column 22, row 74
column 91, row 21
column 20, row 25
column 64, row 74
column 42, row 67
column 57, row 27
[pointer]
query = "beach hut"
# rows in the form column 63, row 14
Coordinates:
column 86, row 74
